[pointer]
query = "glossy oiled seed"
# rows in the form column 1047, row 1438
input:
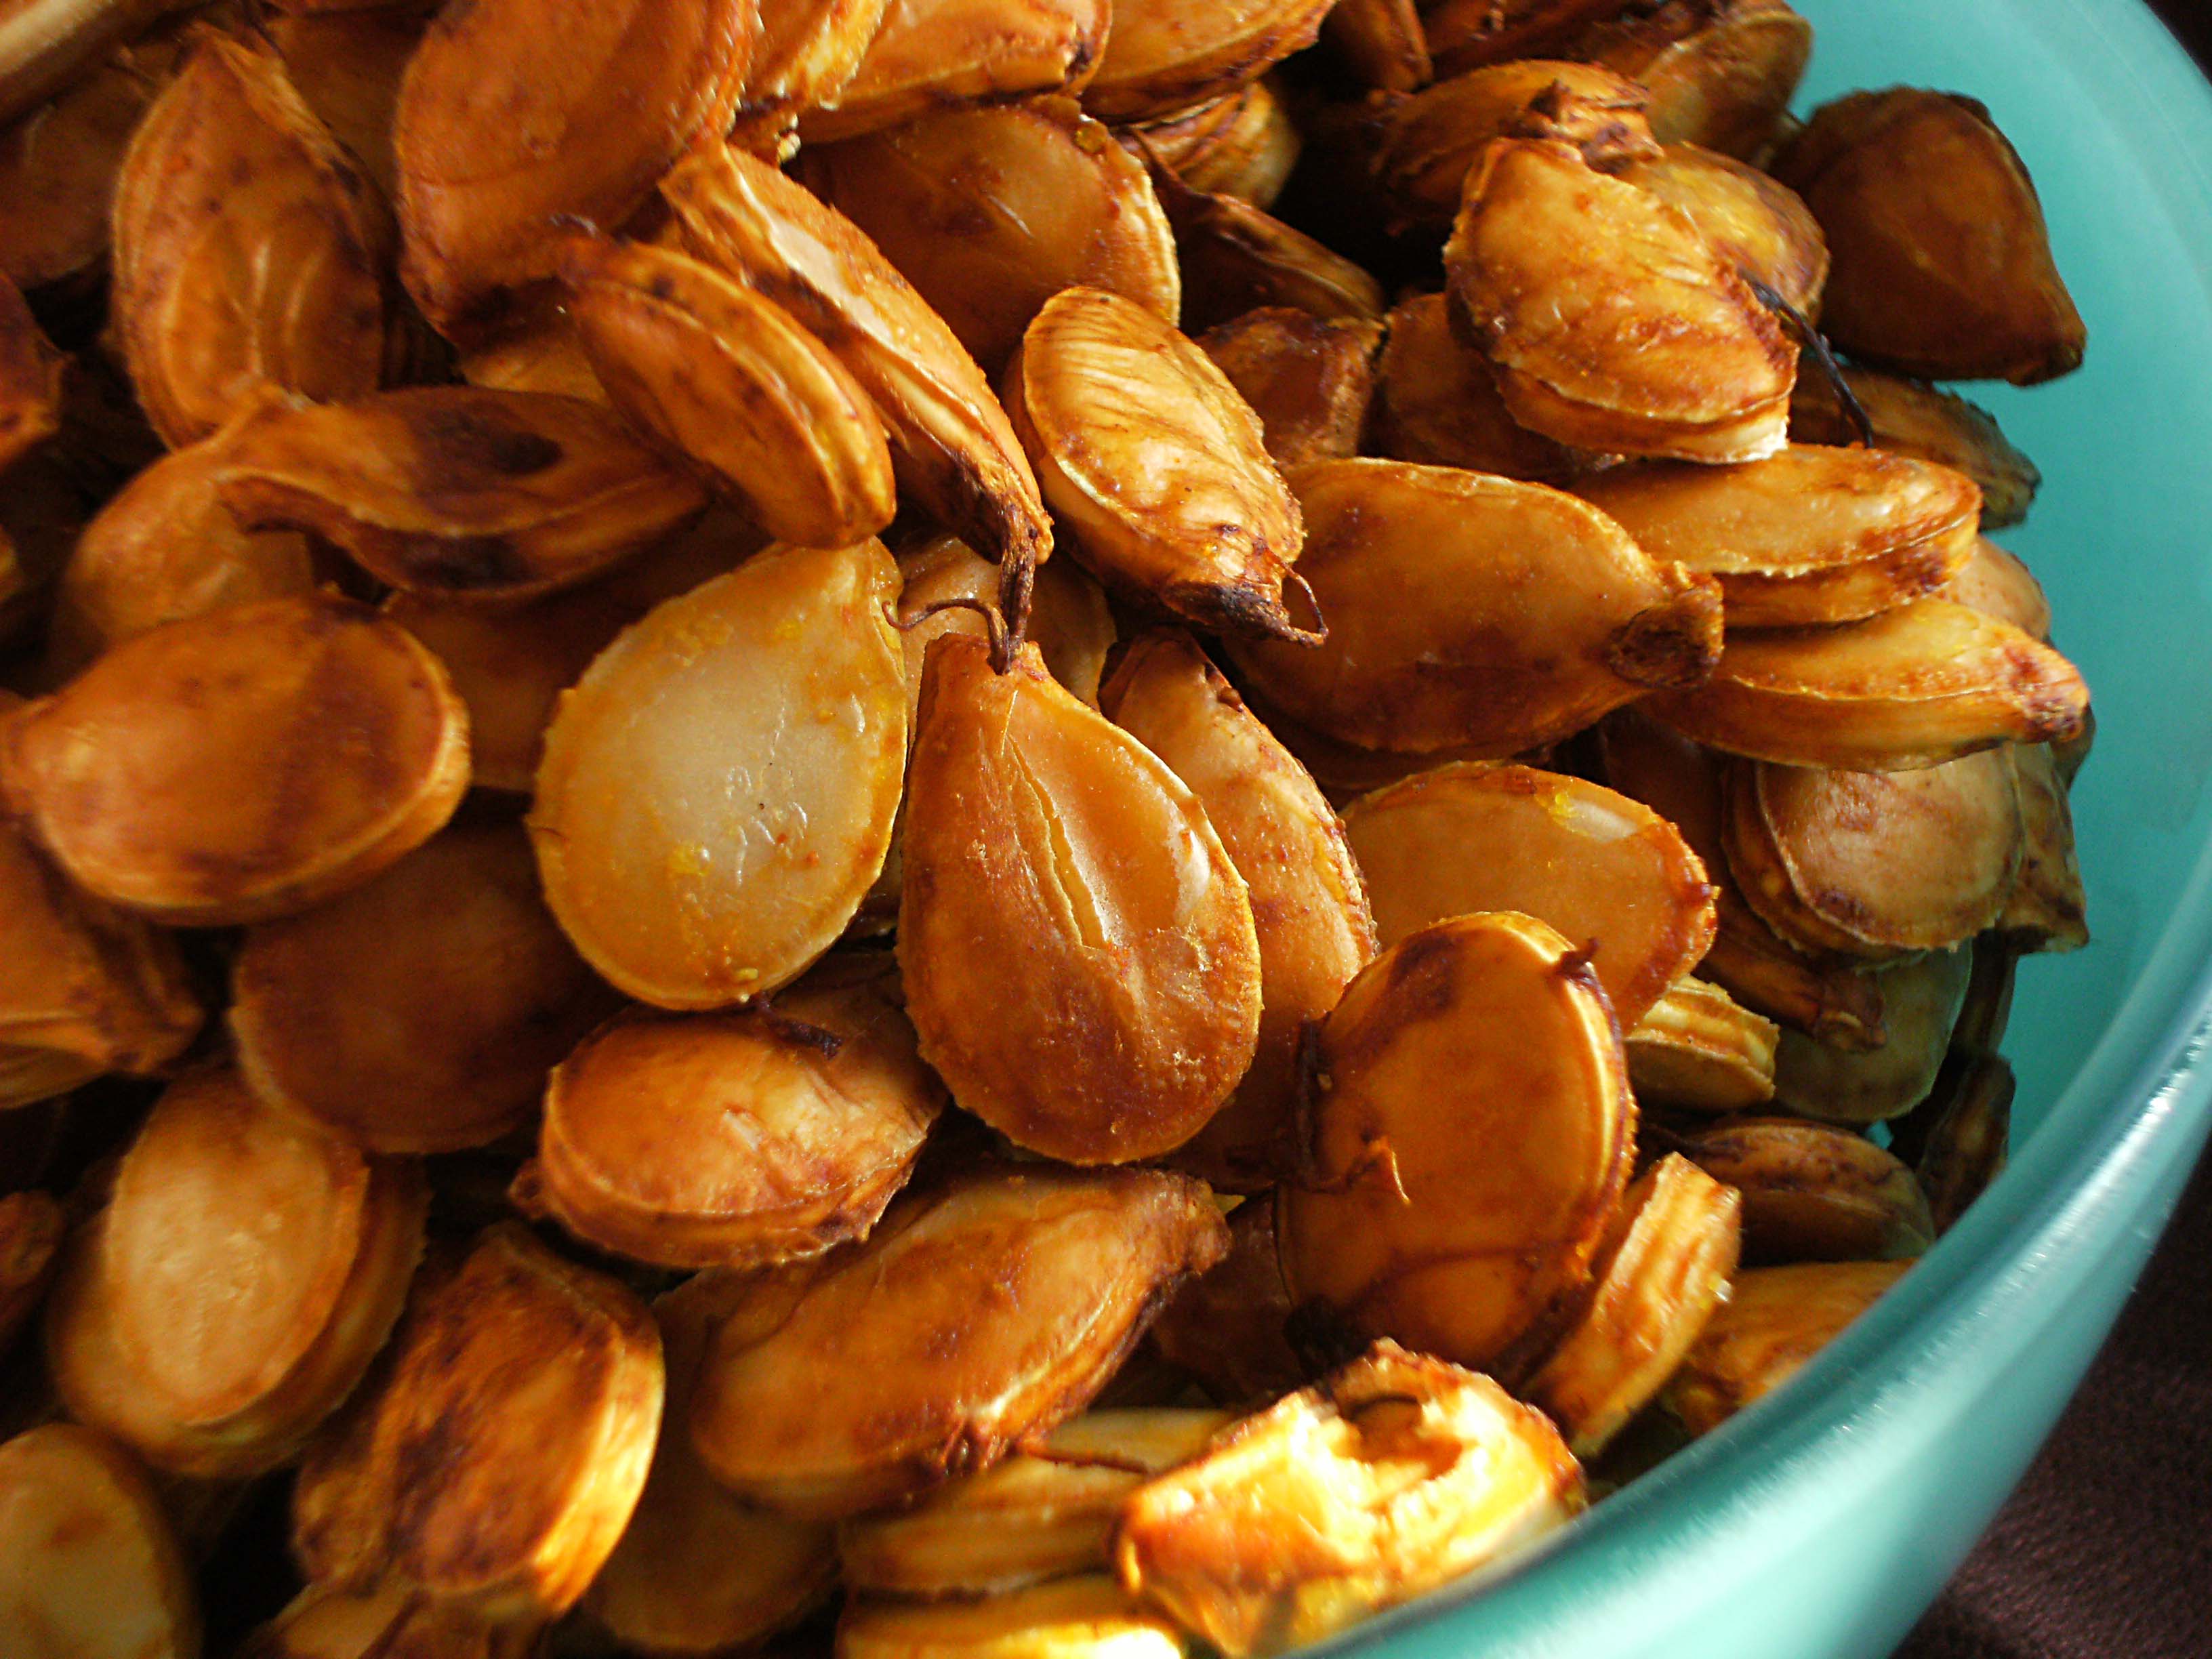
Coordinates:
column 1746, row 216
column 1050, row 851
column 90, row 1567
column 1776, row 1319
column 1244, row 145
column 1810, row 535
column 990, row 212
column 1155, row 464
column 1996, row 582
column 1721, row 74
column 420, row 1012
column 1084, row 1616
column 779, row 686
column 1697, row 1049
column 193, row 774
column 1071, row 623
column 392, row 1621
column 1612, row 323
column 1308, row 379
column 1474, row 612
column 1664, row 1267
column 1382, row 41
column 501, row 1450
column 1910, row 417
column 742, row 1140
column 249, row 249
column 346, row 64
column 1166, row 55
column 1918, row 1000
column 2047, row 909
column 1814, row 1192
column 1309, row 910
column 1042, row 1514
column 236, row 1286
column 808, row 52
column 1392, row 1476
column 1408, row 1218
column 1438, row 403
column 1228, row 1328
column 1236, row 258
column 1608, row 872
column 832, row 1387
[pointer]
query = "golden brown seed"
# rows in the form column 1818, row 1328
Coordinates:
column 950, row 441
column 990, row 212
column 1612, row 323
column 1308, row 379
column 779, row 687
column 93, row 1569
column 1474, row 612
column 1696, row 1050
column 249, row 249
column 1465, row 34
column 1041, row 1514
column 1912, row 419
column 1380, row 41
column 217, row 732
column 1438, row 403
column 1942, row 263
column 346, row 64
column 1156, row 466
column 1809, row 535
column 1476, row 1034
column 1046, row 848
column 808, row 52
column 974, row 1317
column 1392, row 1476
column 1608, row 872
column 165, row 548
column 1775, row 1321
column 1162, row 56
column 498, row 1456
column 30, row 379
column 697, row 1571
column 1919, row 1001
column 742, row 1140
column 1428, row 143
column 718, row 373
column 534, row 347
column 233, row 1291
column 392, row 1621
column 1812, row 1192
column 2047, row 909
column 1308, row 904
column 505, row 128
column 1226, row 1328
column 1243, row 145
column 1070, row 623
column 1084, row 1616
column 932, row 54
column 1236, row 258
column 463, row 492
column 510, row 666
column 1720, row 72
column 1966, row 1149
column 1747, row 217
column 1664, row 1267
column 1877, row 864
column 1996, row 583
column 31, row 1229
column 420, row 1012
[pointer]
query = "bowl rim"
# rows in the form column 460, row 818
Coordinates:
column 2133, row 1116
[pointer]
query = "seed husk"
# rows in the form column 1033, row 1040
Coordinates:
column 1604, row 870
column 1813, row 1191
column 1965, row 1151
column 808, row 52
column 392, row 1621
column 1943, row 261
column 250, row 250
column 1045, row 844
column 1915, row 687
column 740, row 1139
column 1720, row 72
column 780, row 686
column 217, row 731
column 1612, row 323
column 1911, row 417
column 464, row 493
column 1244, row 144
column 504, row 129
column 1664, row 1267
column 1392, row 1476
column 1479, row 1032
column 951, row 444
column 1746, row 216
column 990, row 212
column 2047, row 909
column 1310, row 908
column 1155, row 464
column 1696, row 1050
column 1474, row 613
column 1776, row 1319
column 1919, row 1001
column 1042, row 1514
column 422, row 1012
column 1308, row 379
column 1877, row 865
column 94, row 1565
column 831, row 1388
column 1437, row 403
column 1997, row 584
column 499, row 1453
column 1162, row 56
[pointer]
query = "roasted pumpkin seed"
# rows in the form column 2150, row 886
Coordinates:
column 1162, row 56
column 1746, row 216
column 1720, row 72
column 1438, row 403
column 1227, row 1329
column 934, row 54
column 1308, row 379
column 1996, row 583
column 1085, row 1616
column 1910, row 417
column 1919, row 1002
column 2046, row 909
column 1696, row 1050
column 1776, row 1319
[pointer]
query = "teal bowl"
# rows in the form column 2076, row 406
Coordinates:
column 1824, row 1520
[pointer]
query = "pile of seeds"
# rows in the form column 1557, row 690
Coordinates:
column 803, row 843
